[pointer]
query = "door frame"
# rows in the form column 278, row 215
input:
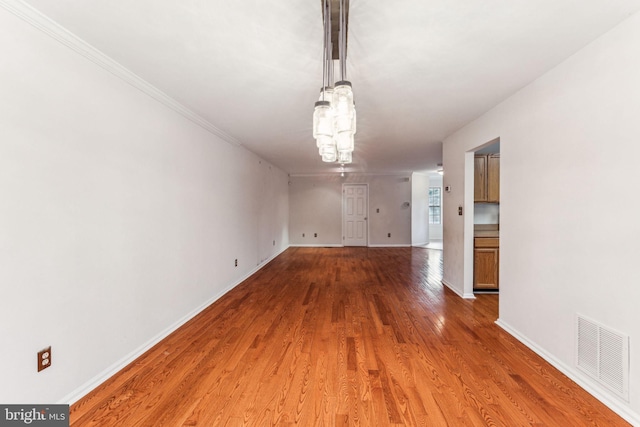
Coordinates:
column 366, row 187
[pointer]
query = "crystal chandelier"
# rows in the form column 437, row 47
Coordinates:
column 334, row 115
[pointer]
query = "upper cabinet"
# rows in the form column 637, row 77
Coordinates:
column 487, row 178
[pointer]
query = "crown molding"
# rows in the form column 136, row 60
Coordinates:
column 59, row 33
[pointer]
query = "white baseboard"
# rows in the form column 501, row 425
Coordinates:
column 457, row 292
column 330, row 245
column 94, row 382
column 615, row 404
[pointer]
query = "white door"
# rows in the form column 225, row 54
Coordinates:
column 354, row 214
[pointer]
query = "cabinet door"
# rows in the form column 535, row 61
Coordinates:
column 485, row 274
column 480, row 179
column 493, row 178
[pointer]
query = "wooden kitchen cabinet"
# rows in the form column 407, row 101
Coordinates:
column 493, row 178
column 486, row 178
column 485, row 263
column 480, row 179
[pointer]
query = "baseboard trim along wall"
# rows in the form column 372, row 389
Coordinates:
column 83, row 390
column 460, row 294
column 596, row 391
column 331, row 245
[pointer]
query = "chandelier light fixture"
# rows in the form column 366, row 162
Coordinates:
column 334, row 115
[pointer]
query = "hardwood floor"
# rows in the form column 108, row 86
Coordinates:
column 343, row 337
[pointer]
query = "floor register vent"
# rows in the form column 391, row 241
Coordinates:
column 604, row 355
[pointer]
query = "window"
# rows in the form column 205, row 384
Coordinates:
column 435, row 209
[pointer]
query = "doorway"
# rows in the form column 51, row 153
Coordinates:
column 355, row 208
column 482, row 219
column 435, row 217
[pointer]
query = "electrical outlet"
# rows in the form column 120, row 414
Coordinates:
column 302, row 234
column 236, row 262
column 315, row 234
column 44, row 358
column 274, row 243
column 388, row 234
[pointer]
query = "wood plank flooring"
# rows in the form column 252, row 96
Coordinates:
column 343, row 337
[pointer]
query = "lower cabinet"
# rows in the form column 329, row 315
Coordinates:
column 485, row 263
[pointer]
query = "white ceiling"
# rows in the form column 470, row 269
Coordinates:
column 420, row 69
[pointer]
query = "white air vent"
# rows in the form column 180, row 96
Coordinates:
column 603, row 354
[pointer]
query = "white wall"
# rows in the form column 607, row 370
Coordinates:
column 316, row 207
column 419, row 209
column 569, row 203
column 119, row 218
column 392, row 195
